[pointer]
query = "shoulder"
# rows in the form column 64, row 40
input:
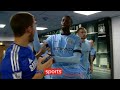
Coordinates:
column 53, row 36
column 20, row 50
column 75, row 37
column 56, row 35
column 93, row 49
column 87, row 41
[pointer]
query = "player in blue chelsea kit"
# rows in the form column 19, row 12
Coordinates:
column 19, row 61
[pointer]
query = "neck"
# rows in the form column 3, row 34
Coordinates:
column 65, row 32
column 83, row 40
column 21, row 41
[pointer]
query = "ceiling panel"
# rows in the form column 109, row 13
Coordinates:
column 51, row 19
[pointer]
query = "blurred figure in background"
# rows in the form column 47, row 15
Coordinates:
column 92, row 54
column 85, row 50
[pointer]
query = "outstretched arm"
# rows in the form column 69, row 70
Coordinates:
column 73, row 59
column 36, row 42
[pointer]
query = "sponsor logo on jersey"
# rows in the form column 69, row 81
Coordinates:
column 30, row 60
column 33, row 65
column 63, row 49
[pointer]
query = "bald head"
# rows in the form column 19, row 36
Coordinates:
column 66, row 23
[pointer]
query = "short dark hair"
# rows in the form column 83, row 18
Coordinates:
column 70, row 19
column 19, row 22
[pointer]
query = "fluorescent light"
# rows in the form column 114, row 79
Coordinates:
column 1, row 43
column 41, row 28
column 86, row 12
column 2, row 25
column 6, row 38
column 73, row 30
column 47, row 35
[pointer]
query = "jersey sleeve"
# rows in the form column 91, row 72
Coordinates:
column 15, row 65
column 77, row 47
column 49, row 41
column 36, row 42
column 72, row 59
column 93, row 52
column 11, row 69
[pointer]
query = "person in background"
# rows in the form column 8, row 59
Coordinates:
column 19, row 61
column 92, row 54
column 85, row 50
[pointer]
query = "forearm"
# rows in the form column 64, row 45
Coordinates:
column 38, row 76
column 38, row 54
column 91, row 60
column 41, row 51
column 73, row 59
column 36, row 42
column 36, row 45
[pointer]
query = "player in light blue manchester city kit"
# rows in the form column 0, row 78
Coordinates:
column 92, row 54
column 19, row 61
column 67, row 52
column 85, row 50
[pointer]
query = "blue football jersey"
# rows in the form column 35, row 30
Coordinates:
column 93, row 51
column 84, row 59
column 64, row 46
column 85, row 50
column 18, row 63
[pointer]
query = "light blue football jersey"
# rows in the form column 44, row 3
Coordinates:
column 64, row 46
column 93, row 51
column 84, row 59
column 85, row 49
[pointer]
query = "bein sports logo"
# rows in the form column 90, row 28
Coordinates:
column 53, row 71
column 59, row 71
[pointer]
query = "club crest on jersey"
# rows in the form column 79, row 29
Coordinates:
column 70, row 41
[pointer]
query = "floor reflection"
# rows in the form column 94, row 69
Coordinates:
column 101, row 73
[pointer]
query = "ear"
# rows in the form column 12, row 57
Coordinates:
column 29, row 29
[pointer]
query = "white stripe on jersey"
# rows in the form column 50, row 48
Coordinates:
column 14, row 58
column 17, row 58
